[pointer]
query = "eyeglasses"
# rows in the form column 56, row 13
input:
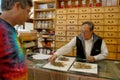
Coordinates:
column 85, row 32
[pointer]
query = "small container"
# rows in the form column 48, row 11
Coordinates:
column 69, row 4
column 77, row 4
column 90, row 3
column 98, row 3
column 62, row 4
column 84, row 3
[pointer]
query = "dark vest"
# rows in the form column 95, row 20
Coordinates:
column 96, row 49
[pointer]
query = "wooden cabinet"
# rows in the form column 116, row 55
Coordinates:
column 44, row 20
column 105, row 18
column 28, row 40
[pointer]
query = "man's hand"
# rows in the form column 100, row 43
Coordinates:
column 90, row 59
column 52, row 58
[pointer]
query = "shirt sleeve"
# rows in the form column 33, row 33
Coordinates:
column 66, row 48
column 104, row 52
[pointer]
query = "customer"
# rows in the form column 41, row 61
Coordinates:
column 88, row 45
column 12, row 60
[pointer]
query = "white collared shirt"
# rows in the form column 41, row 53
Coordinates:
column 88, row 45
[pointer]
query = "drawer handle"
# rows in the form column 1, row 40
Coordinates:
column 109, row 40
column 110, row 27
column 110, row 9
column 60, row 22
column 110, row 34
column 72, row 16
column 97, row 22
column 97, row 16
column 110, row 15
column 110, row 21
column 60, row 11
column 72, row 11
column 84, row 10
column 97, row 9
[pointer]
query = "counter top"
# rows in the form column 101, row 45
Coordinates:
column 107, row 69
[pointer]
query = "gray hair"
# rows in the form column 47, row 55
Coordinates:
column 8, row 4
column 90, row 24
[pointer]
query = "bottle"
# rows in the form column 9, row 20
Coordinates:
column 69, row 4
column 98, row 3
column 62, row 4
column 83, row 3
column 77, row 3
column 90, row 3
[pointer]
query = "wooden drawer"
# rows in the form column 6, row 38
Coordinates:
column 60, row 38
column 119, row 22
column 99, row 34
column 111, row 15
column 72, row 28
column 112, row 56
column 72, row 11
column 81, row 21
column 118, row 34
column 112, row 48
column 59, row 44
column 110, row 28
column 110, row 34
column 61, row 16
column 111, row 22
column 61, row 11
column 111, row 9
column 28, row 36
column 97, row 22
column 118, row 28
column 60, row 33
column 69, row 38
column 118, row 56
column 98, row 28
column 118, row 41
column 61, row 22
column 70, row 33
column 110, row 41
column 84, row 16
column 72, row 16
column 60, row 28
column 71, row 22
column 97, row 10
column 118, row 49
column 97, row 16
column 84, row 10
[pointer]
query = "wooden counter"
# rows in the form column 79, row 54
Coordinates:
column 107, row 70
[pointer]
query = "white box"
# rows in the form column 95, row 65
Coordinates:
column 114, row 2
column 104, row 2
column 43, row 6
column 109, row 2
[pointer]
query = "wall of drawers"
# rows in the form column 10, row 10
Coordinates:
column 107, row 25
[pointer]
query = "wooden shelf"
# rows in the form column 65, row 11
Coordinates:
column 48, row 1
column 43, row 18
column 48, row 9
column 46, row 28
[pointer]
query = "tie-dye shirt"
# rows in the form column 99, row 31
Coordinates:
column 12, row 59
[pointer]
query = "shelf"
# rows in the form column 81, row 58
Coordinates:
column 48, row 9
column 46, row 28
column 44, row 19
column 42, row 2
